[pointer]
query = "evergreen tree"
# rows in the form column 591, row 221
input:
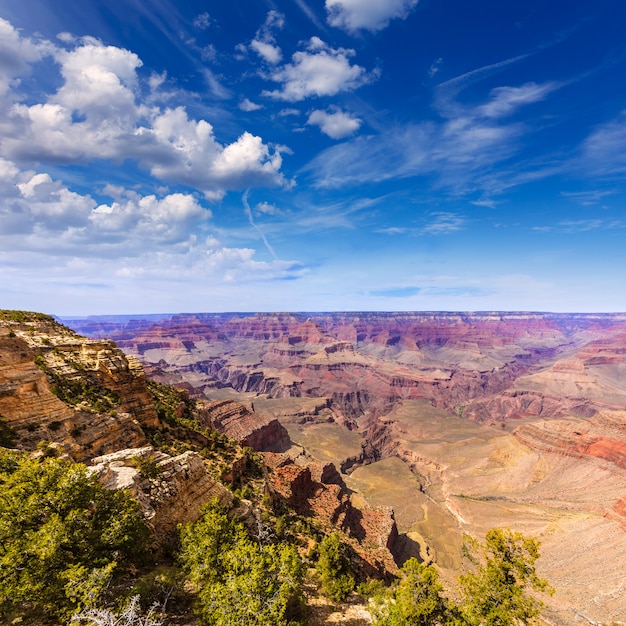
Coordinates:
column 498, row 593
column 334, row 568
column 239, row 582
column 414, row 600
column 62, row 535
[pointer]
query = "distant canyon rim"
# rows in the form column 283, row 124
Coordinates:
column 459, row 421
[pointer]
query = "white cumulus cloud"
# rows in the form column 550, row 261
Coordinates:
column 99, row 113
column 41, row 209
column 267, row 51
column 373, row 15
column 335, row 124
column 16, row 55
column 264, row 43
column 167, row 219
column 248, row 106
column 318, row 71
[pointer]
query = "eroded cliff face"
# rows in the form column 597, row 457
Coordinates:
column 317, row 490
column 58, row 387
column 234, row 420
column 173, row 493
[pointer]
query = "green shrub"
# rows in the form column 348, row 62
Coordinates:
column 147, row 465
column 334, row 568
column 497, row 594
column 7, row 434
column 173, row 406
column 62, row 535
column 237, row 580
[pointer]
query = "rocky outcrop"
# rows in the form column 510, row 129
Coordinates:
column 29, row 406
column 245, row 427
column 172, row 493
column 372, row 532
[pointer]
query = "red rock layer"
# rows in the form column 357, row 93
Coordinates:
column 257, row 431
column 372, row 533
column 602, row 437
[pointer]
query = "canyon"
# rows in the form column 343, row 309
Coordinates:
column 458, row 422
column 62, row 394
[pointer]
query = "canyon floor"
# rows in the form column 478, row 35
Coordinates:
column 461, row 423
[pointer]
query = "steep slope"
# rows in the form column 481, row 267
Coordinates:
column 58, row 387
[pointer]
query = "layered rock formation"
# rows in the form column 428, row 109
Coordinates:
column 490, row 366
column 247, row 428
column 172, row 494
column 601, row 437
column 110, row 402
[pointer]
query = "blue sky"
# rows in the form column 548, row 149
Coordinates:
column 161, row 156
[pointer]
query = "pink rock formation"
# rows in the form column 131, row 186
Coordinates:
column 472, row 362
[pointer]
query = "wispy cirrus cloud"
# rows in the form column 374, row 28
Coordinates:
column 458, row 150
column 249, row 106
column 506, row 100
column 588, row 198
column 434, row 223
column 443, row 223
column 581, row 226
column 604, row 150
column 308, row 11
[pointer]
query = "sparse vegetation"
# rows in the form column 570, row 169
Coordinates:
column 147, row 466
column 498, row 593
column 75, row 390
column 173, row 406
column 25, row 316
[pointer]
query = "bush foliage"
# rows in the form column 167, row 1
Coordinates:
column 62, row 535
column 498, row 593
column 238, row 580
column 334, row 568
